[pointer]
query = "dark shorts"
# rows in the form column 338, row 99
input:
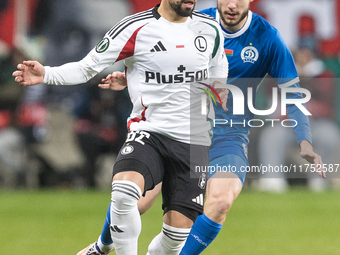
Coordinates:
column 161, row 159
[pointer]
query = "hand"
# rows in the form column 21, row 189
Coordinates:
column 313, row 158
column 114, row 81
column 29, row 73
column 223, row 93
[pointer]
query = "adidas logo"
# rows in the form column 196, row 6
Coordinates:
column 115, row 228
column 158, row 47
column 198, row 199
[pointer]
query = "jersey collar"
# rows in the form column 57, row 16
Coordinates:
column 155, row 12
column 239, row 32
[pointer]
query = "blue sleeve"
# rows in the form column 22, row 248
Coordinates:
column 282, row 67
column 302, row 130
column 209, row 11
column 283, row 70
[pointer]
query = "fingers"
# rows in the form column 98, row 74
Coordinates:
column 316, row 160
column 224, row 98
column 118, row 75
column 107, row 80
column 21, row 81
column 104, row 80
column 19, row 77
column 24, row 83
column 17, row 73
column 319, row 165
column 29, row 63
column 32, row 64
column 104, row 86
column 115, row 74
column 21, row 66
column 109, row 77
column 224, row 105
column 115, row 81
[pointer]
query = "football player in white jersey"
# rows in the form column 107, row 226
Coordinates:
column 167, row 52
column 242, row 30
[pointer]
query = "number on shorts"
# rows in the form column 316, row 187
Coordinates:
column 137, row 136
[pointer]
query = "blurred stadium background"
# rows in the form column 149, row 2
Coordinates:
column 58, row 144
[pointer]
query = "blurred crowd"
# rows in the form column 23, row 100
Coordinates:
column 69, row 135
column 54, row 135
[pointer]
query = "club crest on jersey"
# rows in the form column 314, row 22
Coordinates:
column 127, row 150
column 202, row 181
column 103, row 45
column 249, row 54
column 201, row 43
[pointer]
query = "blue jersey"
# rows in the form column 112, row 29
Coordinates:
column 254, row 51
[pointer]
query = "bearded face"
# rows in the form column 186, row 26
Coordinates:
column 183, row 8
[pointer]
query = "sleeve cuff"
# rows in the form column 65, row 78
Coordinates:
column 46, row 76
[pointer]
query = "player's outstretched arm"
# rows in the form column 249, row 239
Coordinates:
column 313, row 158
column 114, row 81
column 29, row 73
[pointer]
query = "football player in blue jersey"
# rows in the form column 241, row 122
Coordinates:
column 254, row 48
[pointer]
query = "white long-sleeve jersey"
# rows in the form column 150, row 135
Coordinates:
column 163, row 60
